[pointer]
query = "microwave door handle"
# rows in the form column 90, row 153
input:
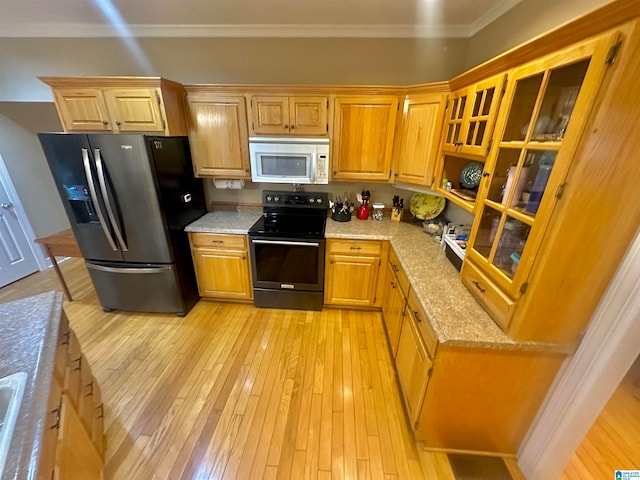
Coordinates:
column 94, row 198
column 314, row 165
column 107, row 202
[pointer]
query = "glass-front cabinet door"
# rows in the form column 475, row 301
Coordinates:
column 471, row 115
column 546, row 107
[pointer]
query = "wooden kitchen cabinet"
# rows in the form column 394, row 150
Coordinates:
column 413, row 365
column 72, row 444
column 218, row 135
column 547, row 106
column 483, row 399
column 119, row 104
column 422, row 119
column 395, row 300
column 221, row 263
column 352, row 272
column 471, row 115
column 289, row 115
column 363, row 136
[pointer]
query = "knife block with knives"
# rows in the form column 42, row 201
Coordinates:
column 397, row 209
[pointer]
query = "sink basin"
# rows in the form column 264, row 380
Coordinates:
column 11, row 389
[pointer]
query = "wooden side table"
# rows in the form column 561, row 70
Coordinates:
column 63, row 244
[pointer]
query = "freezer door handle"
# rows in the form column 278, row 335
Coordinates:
column 102, row 268
column 94, row 198
column 107, row 202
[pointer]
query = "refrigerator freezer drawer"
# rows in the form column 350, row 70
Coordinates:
column 144, row 289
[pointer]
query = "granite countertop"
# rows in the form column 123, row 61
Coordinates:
column 28, row 343
column 225, row 222
column 456, row 316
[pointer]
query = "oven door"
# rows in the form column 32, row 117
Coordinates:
column 287, row 264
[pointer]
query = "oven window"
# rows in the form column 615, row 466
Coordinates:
column 287, row 263
column 284, row 165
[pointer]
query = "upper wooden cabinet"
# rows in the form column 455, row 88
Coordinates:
column 471, row 115
column 119, row 104
column 289, row 115
column 546, row 109
column 422, row 119
column 364, row 128
column 218, row 135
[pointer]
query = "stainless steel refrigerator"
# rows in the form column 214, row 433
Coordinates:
column 128, row 199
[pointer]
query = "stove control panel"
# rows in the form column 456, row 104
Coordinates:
column 275, row 198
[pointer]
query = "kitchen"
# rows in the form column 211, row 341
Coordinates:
column 401, row 193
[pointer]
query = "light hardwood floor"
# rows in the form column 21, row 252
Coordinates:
column 613, row 442
column 231, row 391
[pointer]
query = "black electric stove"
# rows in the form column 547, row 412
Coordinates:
column 293, row 215
column 288, row 250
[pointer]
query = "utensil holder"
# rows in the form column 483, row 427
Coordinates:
column 341, row 217
column 396, row 215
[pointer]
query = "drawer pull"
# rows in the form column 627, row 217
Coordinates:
column 101, row 408
column 415, row 314
column 217, row 241
column 57, row 411
column 90, row 385
column 356, row 248
column 475, row 282
column 66, row 336
column 79, row 360
column 393, row 284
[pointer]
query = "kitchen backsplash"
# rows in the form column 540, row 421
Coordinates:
column 380, row 193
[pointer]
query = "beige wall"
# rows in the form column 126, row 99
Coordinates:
column 528, row 19
column 27, row 166
column 230, row 60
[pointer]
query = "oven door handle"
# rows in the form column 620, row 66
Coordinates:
column 282, row 242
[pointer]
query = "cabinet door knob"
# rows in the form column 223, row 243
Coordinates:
column 118, row 122
column 292, row 127
column 286, row 126
column 485, row 174
column 105, row 123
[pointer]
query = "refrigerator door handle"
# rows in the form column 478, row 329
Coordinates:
column 94, row 198
column 102, row 268
column 105, row 197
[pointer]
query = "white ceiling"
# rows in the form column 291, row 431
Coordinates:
column 248, row 18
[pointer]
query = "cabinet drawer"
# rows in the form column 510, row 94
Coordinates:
column 497, row 304
column 218, row 240
column 424, row 323
column 355, row 247
column 403, row 280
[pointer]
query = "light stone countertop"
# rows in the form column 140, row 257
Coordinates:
column 224, row 222
column 27, row 344
column 457, row 318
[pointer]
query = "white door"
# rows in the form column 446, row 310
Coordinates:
column 17, row 259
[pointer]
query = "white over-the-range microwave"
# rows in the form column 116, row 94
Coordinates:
column 289, row 160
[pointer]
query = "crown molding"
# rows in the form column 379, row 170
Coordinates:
column 235, row 31
column 492, row 15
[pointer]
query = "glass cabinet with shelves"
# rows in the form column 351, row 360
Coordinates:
column 471, row 115
column 547, row 104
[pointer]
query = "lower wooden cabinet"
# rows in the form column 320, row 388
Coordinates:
column 221, row 263
column 76, row 455
column 413, row 365
column 352, row 272
column 393, row 307
column 471, row 397
column 72, row 445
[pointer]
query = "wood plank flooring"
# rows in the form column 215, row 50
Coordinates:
column 613, row 442
column 231, row 391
